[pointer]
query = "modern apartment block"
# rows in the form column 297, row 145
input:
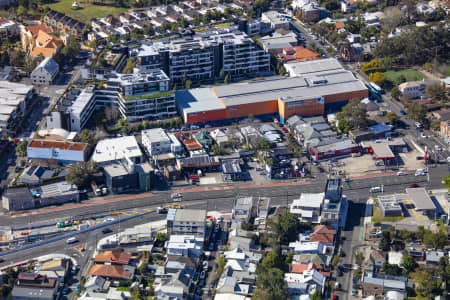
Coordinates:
column 186, row 221
column 138, row 96
column 202, row 57
column 144, row 96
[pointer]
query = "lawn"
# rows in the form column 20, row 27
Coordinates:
column 87, row 11
column 410, row 75
column 378, row 216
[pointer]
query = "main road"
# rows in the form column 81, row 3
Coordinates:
column 357, row 191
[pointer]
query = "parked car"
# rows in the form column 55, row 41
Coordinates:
column 423, row 135
column 437, row 148
column 402, row 112
column 106, row 230
column 347, row 179
column 375, row 189
column 78, row 288
column 400, row 173
column 413, row 185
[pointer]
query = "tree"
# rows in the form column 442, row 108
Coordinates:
column 273, row 259
column 21, row 11
column 21, row 149
column 86, row 137
column 393, row 17
column 270, row 285
column 287, row 227
column 400, row 79
column 408, row 263
column 71, row 50
column 395, row 92
column 129, row 66
column 426, row 286
column 391, row 117
column 336, row 260
column 359, row 258
column 352, row 115
column 385, row 241
column 220, row 265
column 446, row 181
column 262, row 145
column 377, row 78
column 435, row 240
column 317, row 295
column 436, row 91
column 81, row 173
column 217, row 150
column 222, row 74
column 188, row 84
column 392, row 270
column 435, row 125
column 416, row 112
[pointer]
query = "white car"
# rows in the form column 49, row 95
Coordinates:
column 401, row 173
column 420, row 172
column 375, row 189
column 423, row 135
column 176, row 196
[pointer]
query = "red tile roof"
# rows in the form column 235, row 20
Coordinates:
column 300, row 268
column 111, row 271
column 298, row 53
column 58, row 145
column 323, row 233
column 114, row 257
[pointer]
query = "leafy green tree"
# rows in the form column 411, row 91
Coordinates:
column 446, row 181
column 435, row 125
column 400, row 79
column 409, row 263
column 21, row 149
column 81, row 173
column 71, row 50
column 359, row 258
column 385, row 241
column 395, row 92
column 86, row 137
column 317, row 295
column 21, row 11
column 273, row 259
column 392, row 270
column 391, row 117
column 436, row 91
column 416, row 112
column 435, row 240
column 270, row 285
column 427, row 286
column 129, row 66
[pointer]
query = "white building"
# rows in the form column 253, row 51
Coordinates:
column 220, row 137
column 63, row 152
column 45, row 72
column 306, row 283
column 82, row 109
column 111, row 150
column 415, row 89
column 308, row 207
column 275, row 20
column 186, row 221
column 157, row 141
column 14, row 98
column 185, row 245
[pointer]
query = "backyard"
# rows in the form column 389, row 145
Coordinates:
column 409, row 74
column 87, row 11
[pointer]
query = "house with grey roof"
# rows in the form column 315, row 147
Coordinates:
column 433, row 257
column 176, row 288
column 378, row 284
column 45, row 72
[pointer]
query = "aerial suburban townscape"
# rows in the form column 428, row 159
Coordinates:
column 225, row 149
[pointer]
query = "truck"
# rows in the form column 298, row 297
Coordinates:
column 64, row 223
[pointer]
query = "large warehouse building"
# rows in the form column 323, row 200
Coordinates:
column 305, row 95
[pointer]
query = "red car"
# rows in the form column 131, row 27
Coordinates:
column 284, row 130
column 413, row 185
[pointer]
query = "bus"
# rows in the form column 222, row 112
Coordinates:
column 376, row 88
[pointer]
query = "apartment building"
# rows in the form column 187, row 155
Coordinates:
column 202, row 57
column 145, row 95
column 156, row 141
column 186, row 221
column 138, row 96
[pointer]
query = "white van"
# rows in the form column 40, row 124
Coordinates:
column 375, row 189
